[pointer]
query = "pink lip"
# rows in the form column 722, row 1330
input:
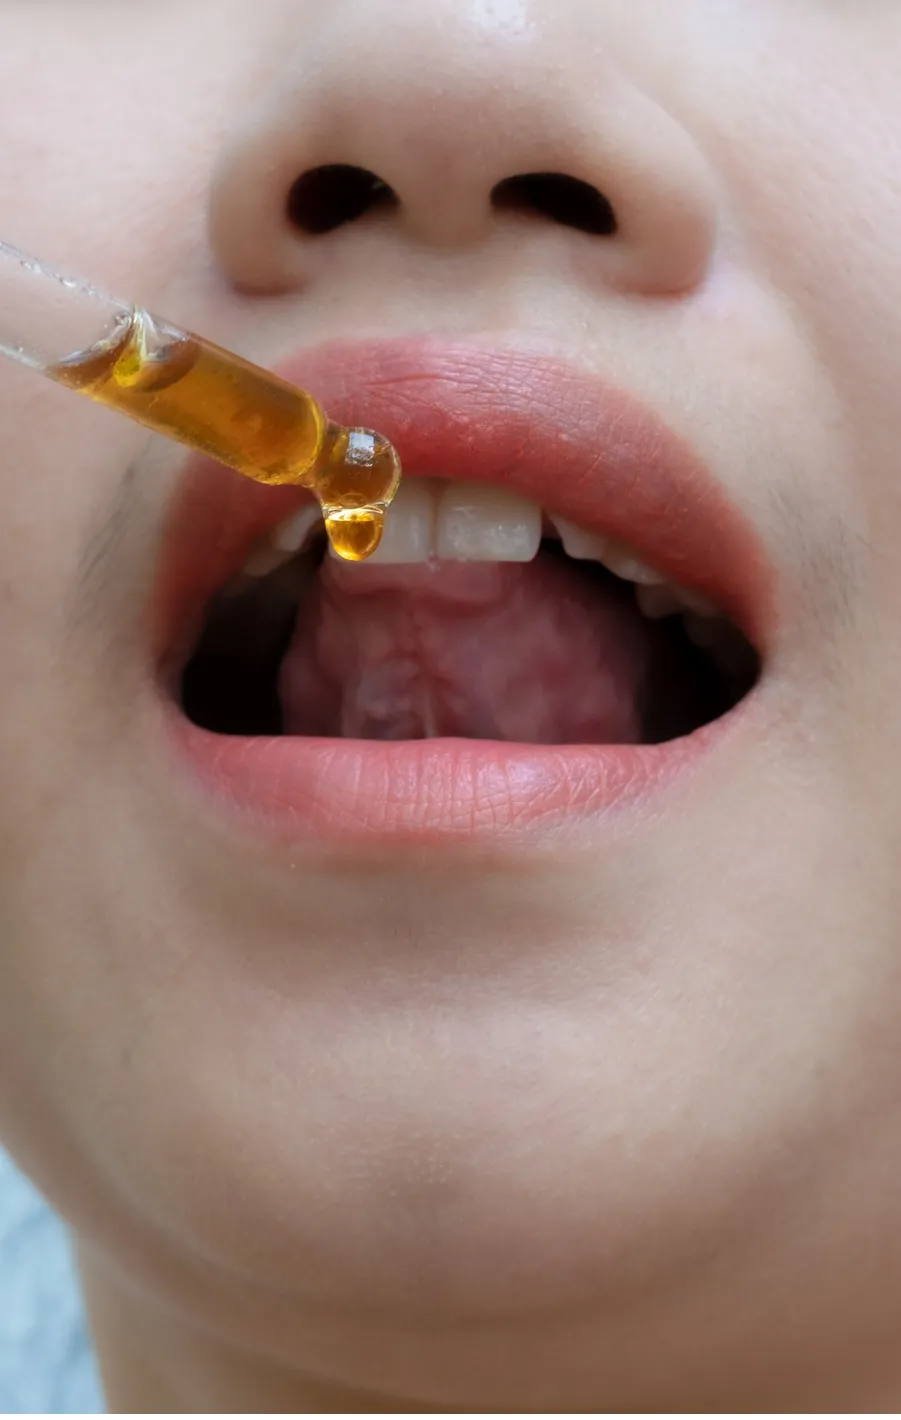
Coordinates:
column 579, row 448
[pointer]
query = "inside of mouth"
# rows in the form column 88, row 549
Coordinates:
column 553, row 651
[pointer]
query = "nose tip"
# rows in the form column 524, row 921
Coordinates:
column 452, row 144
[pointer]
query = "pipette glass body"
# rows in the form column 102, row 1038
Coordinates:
column 191, row 390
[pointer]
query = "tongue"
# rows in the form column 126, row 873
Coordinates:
column 539, row 652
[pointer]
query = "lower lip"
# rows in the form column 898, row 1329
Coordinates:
column 373, row 794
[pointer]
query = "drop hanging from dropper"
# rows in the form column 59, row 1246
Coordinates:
column 197, row 393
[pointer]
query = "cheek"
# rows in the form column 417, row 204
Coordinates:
column 61, row 461
column 110, row 134
column 115, row 131
column 44, row 473
column 821, row 228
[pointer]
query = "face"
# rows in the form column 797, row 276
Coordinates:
column 461, row 984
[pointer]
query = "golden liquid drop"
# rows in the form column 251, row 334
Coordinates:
column 354, row 533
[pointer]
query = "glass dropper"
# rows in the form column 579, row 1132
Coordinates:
column 197, row 393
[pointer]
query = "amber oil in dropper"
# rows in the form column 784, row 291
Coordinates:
column 202, row 395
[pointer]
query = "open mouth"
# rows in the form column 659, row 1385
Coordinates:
column 565, row 608
column 480, row 617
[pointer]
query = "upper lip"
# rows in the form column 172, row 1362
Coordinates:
column 572, row 443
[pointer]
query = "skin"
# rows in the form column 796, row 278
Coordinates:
column 607, row 1120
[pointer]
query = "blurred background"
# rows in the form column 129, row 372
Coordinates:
column 45, row 1355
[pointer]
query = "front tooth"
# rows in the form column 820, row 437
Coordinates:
column 476, row 523
column 409, row 534
column 283, row 542
column 291, row 535
column 622, row 562
column 579, row 544
column 616, row 556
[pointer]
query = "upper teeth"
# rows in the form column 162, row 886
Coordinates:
column 473, row 522
column 291, row 535
column 476, row 523
column 590, row 547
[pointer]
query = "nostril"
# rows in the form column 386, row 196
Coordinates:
column 566, row 200
column 327, row 197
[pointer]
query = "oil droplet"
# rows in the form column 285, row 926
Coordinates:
column 354, row 533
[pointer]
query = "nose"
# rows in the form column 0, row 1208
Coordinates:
column 452, row 122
